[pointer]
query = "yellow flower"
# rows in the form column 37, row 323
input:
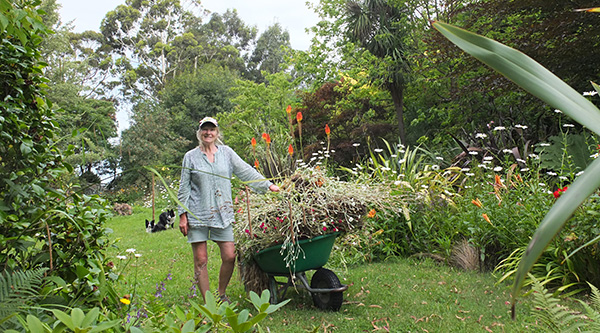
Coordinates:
column 125, row 301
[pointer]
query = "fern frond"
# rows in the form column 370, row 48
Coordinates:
column 592, row 310
column 550, row 313
column 17, row 288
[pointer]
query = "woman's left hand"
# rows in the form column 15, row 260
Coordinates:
column 274, row 188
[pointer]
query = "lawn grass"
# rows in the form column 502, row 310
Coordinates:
column 398, row 295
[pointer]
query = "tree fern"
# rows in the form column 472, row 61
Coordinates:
column 16, row 289
column 550, row 313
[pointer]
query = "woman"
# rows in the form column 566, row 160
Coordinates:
column 205, row 190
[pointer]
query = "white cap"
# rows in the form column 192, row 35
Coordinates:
column 208, row 120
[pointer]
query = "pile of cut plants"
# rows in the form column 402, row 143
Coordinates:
column 309, row 204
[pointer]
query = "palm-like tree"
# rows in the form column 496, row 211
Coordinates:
column 380, row 28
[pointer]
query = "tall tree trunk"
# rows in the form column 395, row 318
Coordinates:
column 397, row 93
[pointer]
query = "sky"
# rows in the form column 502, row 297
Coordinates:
column 292, row 15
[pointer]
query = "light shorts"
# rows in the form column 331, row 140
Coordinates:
column 202, row 234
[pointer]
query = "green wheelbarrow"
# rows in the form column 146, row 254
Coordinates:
column 325, row 288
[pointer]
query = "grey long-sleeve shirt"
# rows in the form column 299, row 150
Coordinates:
column 205, row 187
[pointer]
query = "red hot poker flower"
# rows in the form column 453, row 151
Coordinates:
column 299, row 117
column 289, row 109
column 256, row 164
column 327, row 130
column 267, row 138
column 291, row 150
column 253, row 142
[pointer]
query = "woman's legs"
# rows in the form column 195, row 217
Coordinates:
column 227, row 265
column 200, row 269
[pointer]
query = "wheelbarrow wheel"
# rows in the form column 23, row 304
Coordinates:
column 326, row 279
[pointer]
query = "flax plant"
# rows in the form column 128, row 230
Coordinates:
column 540, row 82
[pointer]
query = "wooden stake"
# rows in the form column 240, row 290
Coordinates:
column 153, row 196
column 248, row 211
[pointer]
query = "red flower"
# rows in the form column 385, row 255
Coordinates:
column 267, row 138
column 327, row 130
column 253, row 142
column 256, row 164
column 291, row 150
column 289, row 109
column 299, row 117
column 559, row 192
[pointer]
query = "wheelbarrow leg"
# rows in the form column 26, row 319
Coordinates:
column 273, row 289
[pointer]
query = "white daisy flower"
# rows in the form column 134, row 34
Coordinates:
column 480, row 135
column 498, row 169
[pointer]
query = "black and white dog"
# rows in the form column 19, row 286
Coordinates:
column 165, row 221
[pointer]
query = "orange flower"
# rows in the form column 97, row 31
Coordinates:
column 289, row 109
column 477, row 203
column 267, row 138
column 372, row 213
column 299, row 117
column 253, row 142
column 327, row 130
column 291, row 150
column 498, row 181
column 256, row 164
column 319, row 182
column 485, row 217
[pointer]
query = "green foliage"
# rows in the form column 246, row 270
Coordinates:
column 44, row 222
column 567, row 154
column 554, row 317
column 17, row 289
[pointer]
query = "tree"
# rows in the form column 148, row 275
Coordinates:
column 144, row 30
column 192, row 96
column 268, row 55
column 381, row 28
column 79, row 70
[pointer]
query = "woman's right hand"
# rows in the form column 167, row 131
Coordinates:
column 183, row 224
